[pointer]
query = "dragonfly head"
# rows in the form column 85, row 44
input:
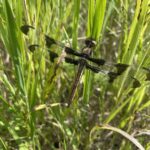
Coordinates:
column 89, row 42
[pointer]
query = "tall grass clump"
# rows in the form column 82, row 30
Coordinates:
column 33, row 90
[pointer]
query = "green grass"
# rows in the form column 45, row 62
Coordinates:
column 102, row 115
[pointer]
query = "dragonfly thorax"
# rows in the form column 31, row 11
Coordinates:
column 86, row 52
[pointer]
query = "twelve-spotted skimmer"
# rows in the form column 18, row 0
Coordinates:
column 83, row 61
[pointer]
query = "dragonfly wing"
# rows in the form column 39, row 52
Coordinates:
column 99, row 62
column 71, row 61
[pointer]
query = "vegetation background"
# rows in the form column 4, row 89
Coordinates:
column 102, row 116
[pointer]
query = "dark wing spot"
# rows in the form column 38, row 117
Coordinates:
column 33, row 47
column 121, row 68
column 71, row 61
column 49, row 41
column 69, row 50
column 25, row 28
column 112, row 76
column 136, row 83
column 92, row 68
column 52, row 56
column 97, row 61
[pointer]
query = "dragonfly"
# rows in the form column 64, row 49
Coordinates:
column 84, row 57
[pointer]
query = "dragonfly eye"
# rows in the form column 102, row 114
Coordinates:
column 25, row 28
column 90, row 43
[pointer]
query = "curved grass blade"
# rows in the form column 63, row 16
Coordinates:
column 121, row 132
